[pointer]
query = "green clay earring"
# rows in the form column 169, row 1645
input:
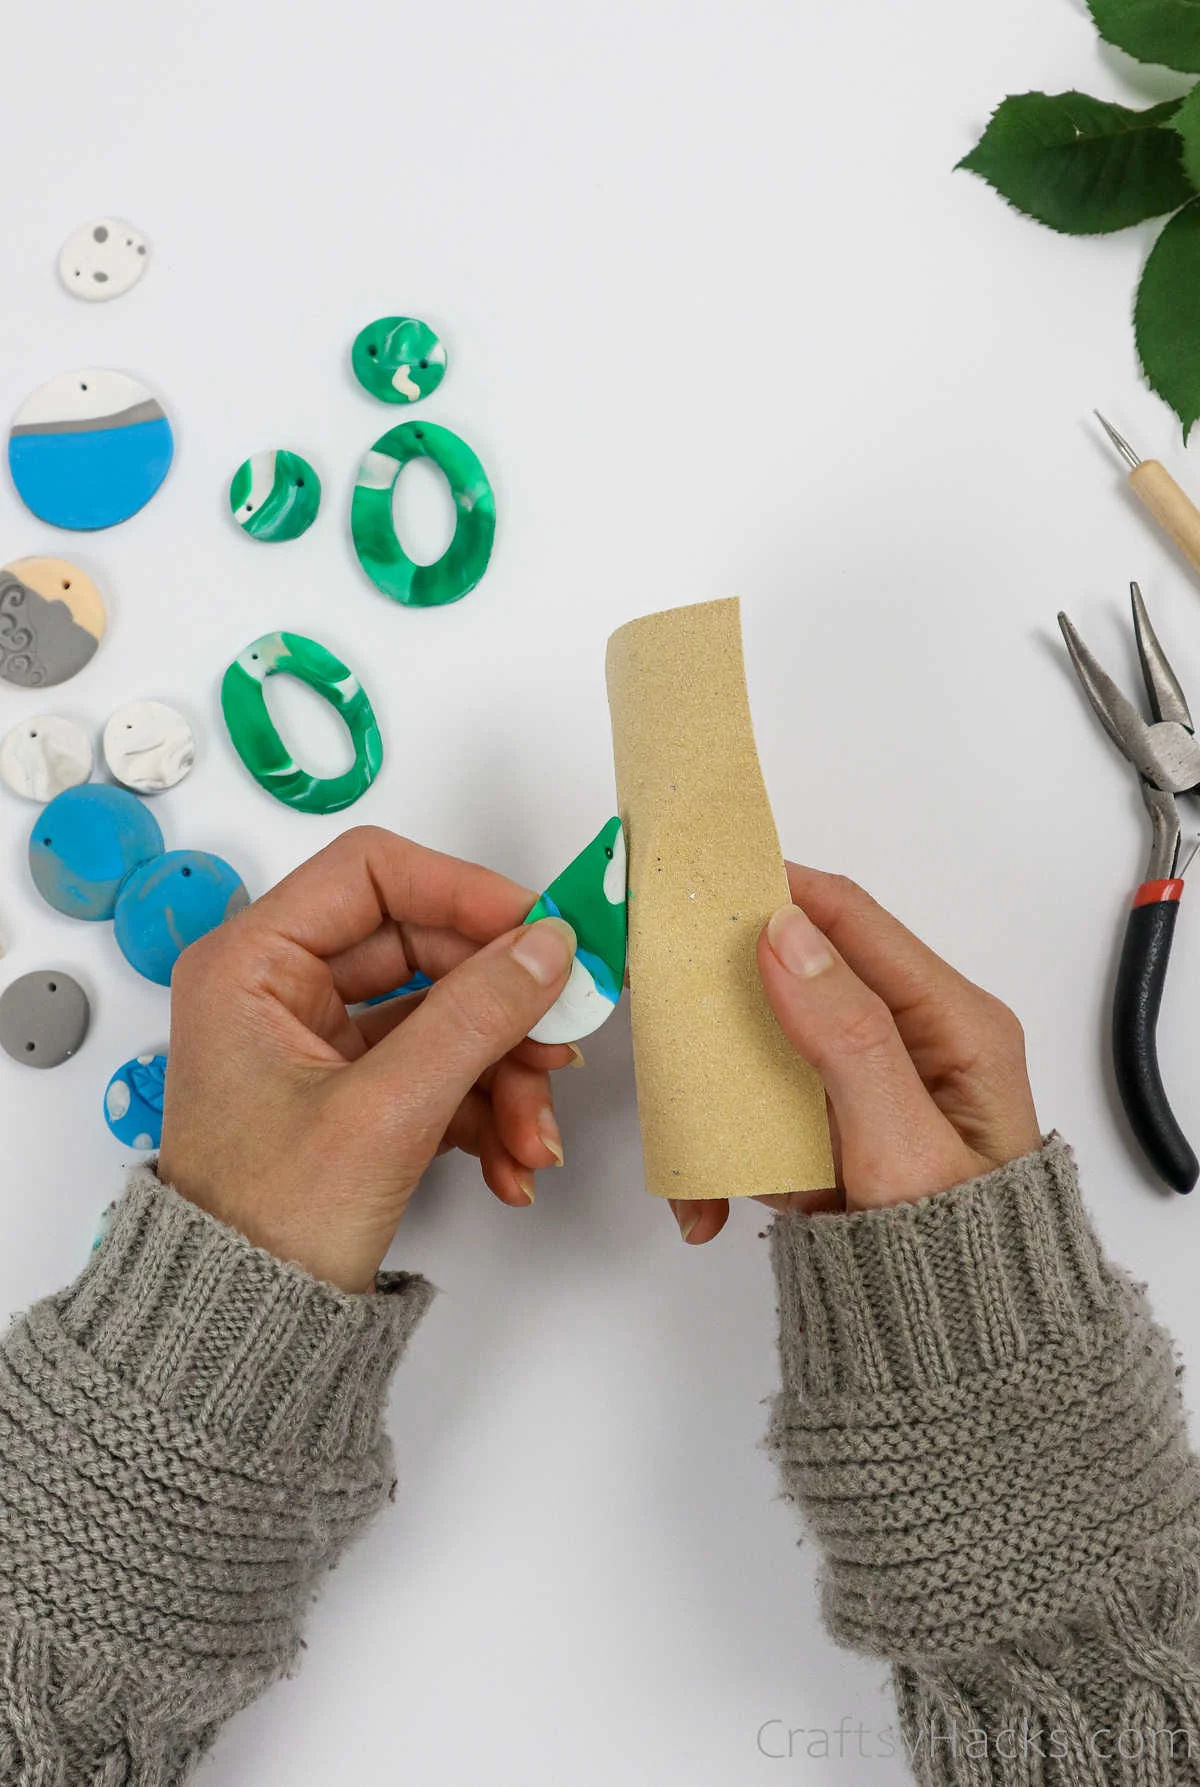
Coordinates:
column 379, row 551
column 398, row 359
column 259, row 745
column 591, row 895
column 275, row 495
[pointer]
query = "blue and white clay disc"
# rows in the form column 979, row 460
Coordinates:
column 85, row 843
column 133, row 1101
column 89, row 449
column 171, row 902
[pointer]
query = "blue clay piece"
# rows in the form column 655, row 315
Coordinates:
column 133, row 1101
column 417, row 984
column 89, row 449
column 172, row 902
column 84, row 844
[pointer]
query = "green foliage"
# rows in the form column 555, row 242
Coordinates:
column 1166, row 31
column 1082, row 165
column 1187, row 122
column 1086, row 166
column 1166, row 317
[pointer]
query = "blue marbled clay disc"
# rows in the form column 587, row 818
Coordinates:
column 89, row 449
column 171, row 902
column 84, row 844
column 133, row 1101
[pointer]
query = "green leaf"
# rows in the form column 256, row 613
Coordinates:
column 1080, row 164
column 1187, row 122
column 1166, row 315
column 1165, row 31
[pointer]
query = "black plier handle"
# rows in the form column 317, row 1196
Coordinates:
column 1141, row 975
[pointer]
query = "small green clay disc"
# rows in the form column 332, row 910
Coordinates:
column 259, row 745
column 380, row 553
column 398, row 359
column 275, row 495
column 591, row 895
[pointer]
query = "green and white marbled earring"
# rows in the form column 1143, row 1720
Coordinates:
column 257, row 742
column 398, row 359
column 379, row 550
column 275, row 495
column 591, row 895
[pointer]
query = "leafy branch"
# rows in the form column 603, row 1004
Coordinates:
column 1087, row 167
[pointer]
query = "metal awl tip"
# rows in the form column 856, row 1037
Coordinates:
column 1119, row 442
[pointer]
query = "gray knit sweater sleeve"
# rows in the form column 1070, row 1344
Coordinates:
column 982, row 1425
column 189, row 1437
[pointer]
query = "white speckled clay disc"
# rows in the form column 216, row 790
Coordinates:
column 102, row 259
column 148, row 746
column 42, row 756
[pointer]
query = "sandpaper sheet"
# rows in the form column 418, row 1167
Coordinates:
column 727, row 1108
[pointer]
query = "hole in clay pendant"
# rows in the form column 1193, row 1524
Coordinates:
column 423, row 512
column 311, row 729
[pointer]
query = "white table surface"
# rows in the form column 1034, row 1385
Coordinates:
column 721, row 320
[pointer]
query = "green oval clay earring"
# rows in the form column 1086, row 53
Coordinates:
column 379, row 551
column 257, row 742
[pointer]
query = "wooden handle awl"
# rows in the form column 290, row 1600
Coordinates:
column 1174, row 511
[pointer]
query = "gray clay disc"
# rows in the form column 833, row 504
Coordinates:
column 43, row 1018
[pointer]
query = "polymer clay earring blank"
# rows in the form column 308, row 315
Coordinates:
column 379, row 550
column 148, row 746
column 51, row 621
column 171, row 902
column 41, row 757
column 275, row 495
column 133, row 1101
column 89, row 449
column 590, row 894
column 43, row 1018
column 398, row 359
column 84, row 845
column 102, row 259
column 257, row 741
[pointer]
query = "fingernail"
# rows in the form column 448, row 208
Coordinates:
column 545, row 949
column 798, row 943
column 525, row 1181
column 550, row 1135
column 577, row 1059
column 685, row 1217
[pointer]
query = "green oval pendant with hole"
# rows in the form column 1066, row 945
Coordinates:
column 379, row 551
column 257, row 741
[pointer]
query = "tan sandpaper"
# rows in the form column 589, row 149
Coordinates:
column 727, row 1108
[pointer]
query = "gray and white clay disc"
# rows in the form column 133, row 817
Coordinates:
column 102, row 259
column 148, row 746
column 42, row 756
column 43, row 1018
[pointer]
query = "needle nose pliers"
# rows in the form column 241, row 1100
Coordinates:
column 1166, row 756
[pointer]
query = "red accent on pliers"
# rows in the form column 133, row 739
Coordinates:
column 1152, row 893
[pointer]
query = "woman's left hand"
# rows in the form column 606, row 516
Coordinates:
column 307, row 1129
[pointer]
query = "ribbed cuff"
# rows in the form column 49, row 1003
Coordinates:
column 921, row 1294
column 224, row 1336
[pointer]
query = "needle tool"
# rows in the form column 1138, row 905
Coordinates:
column 1153, row 485
column 1166, row 756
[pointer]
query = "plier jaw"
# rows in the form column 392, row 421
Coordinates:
column 1166, row 755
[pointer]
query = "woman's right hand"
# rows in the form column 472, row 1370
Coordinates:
column 924, row 1072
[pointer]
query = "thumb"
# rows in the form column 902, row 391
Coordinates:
column 469, row 1020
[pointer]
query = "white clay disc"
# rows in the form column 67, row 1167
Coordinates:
column 42, row 756
column 102, row 259
column 148, row 746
